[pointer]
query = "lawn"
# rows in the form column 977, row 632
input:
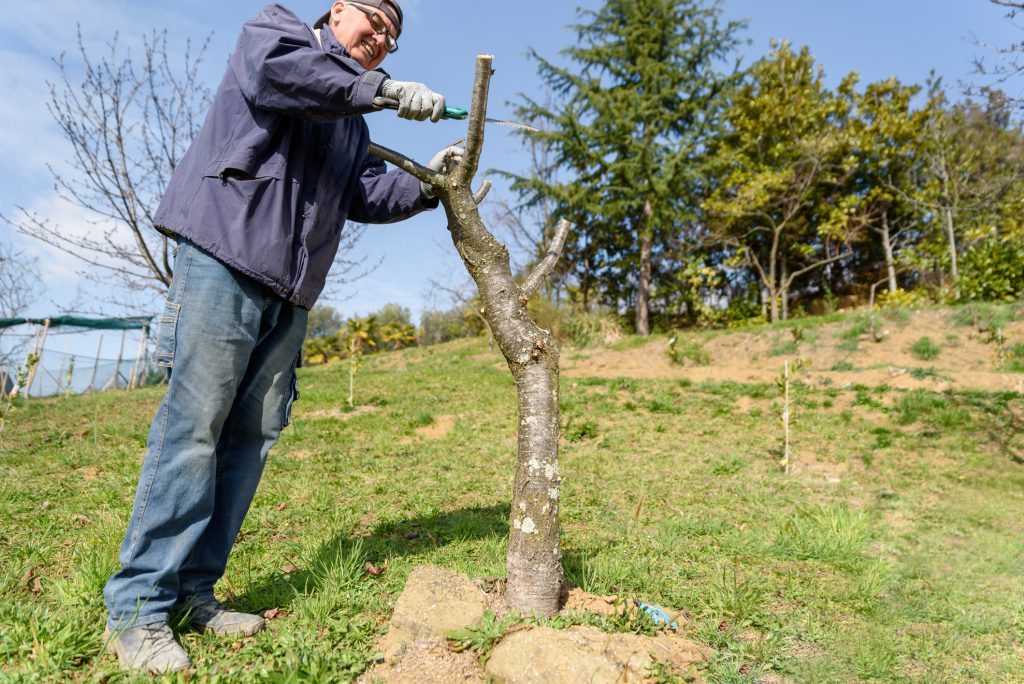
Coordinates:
column 893, row 552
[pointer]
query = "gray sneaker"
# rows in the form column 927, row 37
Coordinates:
column 211, row 616
column 150, row 647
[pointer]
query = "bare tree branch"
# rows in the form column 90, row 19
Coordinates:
column 544, row 268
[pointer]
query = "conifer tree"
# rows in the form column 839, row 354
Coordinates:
column 634, row 110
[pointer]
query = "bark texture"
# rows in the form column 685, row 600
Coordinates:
column 534, row 558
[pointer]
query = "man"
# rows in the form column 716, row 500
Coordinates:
column 256, row 205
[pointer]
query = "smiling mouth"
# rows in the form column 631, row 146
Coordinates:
column 369, row 48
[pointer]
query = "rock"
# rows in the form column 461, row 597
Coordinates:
column 586, row 654
column 435, row 601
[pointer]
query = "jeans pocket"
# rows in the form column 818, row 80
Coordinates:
column 293, row 394
column 165, row 335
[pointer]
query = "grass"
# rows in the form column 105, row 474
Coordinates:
column 924, row 349
column 903, row 567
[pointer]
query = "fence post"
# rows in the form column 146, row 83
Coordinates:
column 95, row 365
column 133, row 381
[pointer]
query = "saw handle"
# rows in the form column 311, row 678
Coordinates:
column 449, row 112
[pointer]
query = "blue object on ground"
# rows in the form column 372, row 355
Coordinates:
column 657, row 614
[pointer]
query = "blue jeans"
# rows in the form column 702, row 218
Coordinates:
column 233, row 347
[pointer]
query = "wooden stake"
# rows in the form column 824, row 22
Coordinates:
column 786, row 417
column 95, row 366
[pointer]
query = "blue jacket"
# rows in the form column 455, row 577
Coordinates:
column 281, row 161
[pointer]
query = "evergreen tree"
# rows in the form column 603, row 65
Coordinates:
column 635, row 109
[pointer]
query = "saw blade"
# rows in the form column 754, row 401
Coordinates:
column 511, row 124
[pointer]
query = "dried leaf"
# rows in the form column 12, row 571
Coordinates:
column 281, row 506
column 29, row 574
column 237, row 646
column 46, row 504
column 289, row 569
column 373, row 569
column 37, row 585
column 274, row 613
column 82, row 519
column 412, row 534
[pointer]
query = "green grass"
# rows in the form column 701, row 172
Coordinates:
column 924, row 349
column 903, row 567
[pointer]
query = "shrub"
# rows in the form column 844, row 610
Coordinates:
column 991, row 270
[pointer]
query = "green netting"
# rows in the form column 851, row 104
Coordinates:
column 127, row 323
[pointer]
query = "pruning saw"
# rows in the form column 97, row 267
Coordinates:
column 456, row 114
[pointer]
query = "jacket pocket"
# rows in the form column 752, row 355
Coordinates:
column 166, row 335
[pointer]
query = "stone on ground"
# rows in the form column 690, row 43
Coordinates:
column 586, row 654
column 435, row 601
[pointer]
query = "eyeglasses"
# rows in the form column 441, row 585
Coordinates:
column 378, row 26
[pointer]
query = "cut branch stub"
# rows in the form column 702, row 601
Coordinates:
column 534, row 558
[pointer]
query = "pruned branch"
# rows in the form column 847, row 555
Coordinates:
column 408, row 165
column 544, row 268
column 477, row 116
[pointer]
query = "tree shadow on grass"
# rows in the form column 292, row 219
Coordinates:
column 403, row 538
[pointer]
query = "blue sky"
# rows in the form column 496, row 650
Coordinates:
column 878, row 38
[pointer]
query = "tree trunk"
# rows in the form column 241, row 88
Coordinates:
column 890, row 264
column 643, row 286
column 947, row 215
column 784, row 290
column 534, row 563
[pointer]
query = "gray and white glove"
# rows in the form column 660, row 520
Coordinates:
column 442, row 162
column 415, row 100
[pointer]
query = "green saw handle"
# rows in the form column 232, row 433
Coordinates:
column 449, row 112
column 455, row 113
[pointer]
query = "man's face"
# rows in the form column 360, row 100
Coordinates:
column 351, row 26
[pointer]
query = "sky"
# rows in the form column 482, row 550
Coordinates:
column 878, row 38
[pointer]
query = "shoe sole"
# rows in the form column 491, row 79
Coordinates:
column 229, row 632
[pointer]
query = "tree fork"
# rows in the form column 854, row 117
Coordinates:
column 535, row 576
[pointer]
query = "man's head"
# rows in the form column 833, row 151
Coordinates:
column 368, row 29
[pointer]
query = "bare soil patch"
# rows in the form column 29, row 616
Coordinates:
column 336, row 413
column 439, row 429
column 965, row 360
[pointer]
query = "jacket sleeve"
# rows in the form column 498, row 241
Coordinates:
column 384, row 196
column 280, row 67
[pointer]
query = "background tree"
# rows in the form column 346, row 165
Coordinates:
column 971, row 188
column 888, row 133
column 323, row 320
column 780, row 170
column 634, row 113
column 128, row 123
column 19, row 286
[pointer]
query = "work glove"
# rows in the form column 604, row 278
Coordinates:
column 442, row 162
column 415, row 100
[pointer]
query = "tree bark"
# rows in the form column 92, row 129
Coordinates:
column 890, row 263
column 947, row 216
column 643, row 287
column 535, row 575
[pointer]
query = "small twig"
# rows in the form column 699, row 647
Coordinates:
column 544, row 268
